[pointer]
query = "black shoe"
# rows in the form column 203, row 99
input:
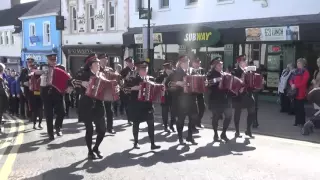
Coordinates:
column 237, row 135
column 129, row 122
column 58, row 132
column 216, row 138
column 172, row 128
column 34, row 126
column 91, row 156
column 153, row 147
column 98, row 153
column 111, row 131
column 255, row 126
column 249, row 133
column 200, row 126
column 51, row 137
column 167, row 130
column 224, row 137
column 191, row 140
column 136, row 146
column 181, row 142
column 39, row 126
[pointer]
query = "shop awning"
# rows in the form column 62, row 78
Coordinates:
column 233, row 31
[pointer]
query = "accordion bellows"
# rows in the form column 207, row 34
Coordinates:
column 195, row 84
column 253, row 80
column 55, row 77
column 151, row 92
column 34, row 83
column 230, row 83
column 102, row 89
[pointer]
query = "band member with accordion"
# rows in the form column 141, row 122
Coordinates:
column 196, row 69
column 124, row 97
column 52, row 95
column 25, row 95
column 107, row 104
column 140, row 111
column 220, row 102
column 183, row 102
column 244, row 100
column 4, row 94
column 35, row 98
column 166, row 107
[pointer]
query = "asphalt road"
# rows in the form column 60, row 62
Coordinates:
column 28, row 155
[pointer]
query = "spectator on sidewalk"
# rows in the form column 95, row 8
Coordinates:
column 14, row 99
column 299, row 83
column 316, row 76
column 283, row 87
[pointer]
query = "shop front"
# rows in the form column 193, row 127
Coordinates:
column 38, row 56
column 11, row 62
column 75, row 55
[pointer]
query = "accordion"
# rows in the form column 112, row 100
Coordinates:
column 55, row 77
column 253, row 80
column 102, row 89
column 195, row 84
column 230, row 83
column 110, row 75
column 151, row 92
column 34, row 83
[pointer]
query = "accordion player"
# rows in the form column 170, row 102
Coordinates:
column 253, row 80
column 55, row 77
column 230, row 83
column 34, row 83
column 102, row 89
column 151, row 92
column 195, row 84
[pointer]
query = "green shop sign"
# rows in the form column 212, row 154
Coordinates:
column 202, row 38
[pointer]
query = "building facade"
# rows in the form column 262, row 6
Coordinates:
column 271, row 33
column 93, row 26
column 40, row 36
column 10, row 32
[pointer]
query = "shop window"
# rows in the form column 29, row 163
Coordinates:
column 255, row 52
column 139, row 5
column 139, row 52
column 111, row 15
column 32, row 32
column 191, row 2
column 91, row 17
column 1, row 38
column 12, row 39
column 6, row 37
column 74, row 19
column 164, row 4
column 46, row 33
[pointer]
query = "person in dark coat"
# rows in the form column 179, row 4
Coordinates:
column 91, row 110
column 4, row 94
column 140, row 111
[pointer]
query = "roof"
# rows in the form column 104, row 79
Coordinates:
column 10, row 16
column 43, row 7
column 245, row 23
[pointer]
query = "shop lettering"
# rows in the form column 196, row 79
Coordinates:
column 80, row 51
column 82, row 19
column 202, row 36
column 35, row 57
column 99, row 16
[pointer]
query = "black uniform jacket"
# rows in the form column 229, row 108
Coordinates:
column 89, row 108
column 161, row 79
column 217, row 97
column 138, row 110
column 4, row 95
column 47, row 91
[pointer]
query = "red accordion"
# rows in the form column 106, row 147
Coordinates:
column 34, row 83
column 230, row 83
column 195, row 84
column 102, row 89
column 253, row 80
column 55, row 77
column 151, row 92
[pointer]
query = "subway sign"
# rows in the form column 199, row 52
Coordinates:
column 202, row 38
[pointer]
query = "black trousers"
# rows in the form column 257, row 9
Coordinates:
column 186, row 106
column 27, row 102
column 285, row 103
column 165, row 110
column 246, row 102
column 217, row 113
column 135, row 129
column 201, row 108
column 13, row 105
column 124, row 98
column 118, row 106
column 256, row 105
column 67, row 103
column 36, row 108
column 109, row 114
column 300, row 114
column 53, row 103
column 100, row 126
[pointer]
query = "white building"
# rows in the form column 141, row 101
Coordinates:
column 10, row 31
column 93, row 26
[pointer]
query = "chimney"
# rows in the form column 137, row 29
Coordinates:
column 15, row 2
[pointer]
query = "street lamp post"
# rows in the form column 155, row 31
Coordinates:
column 150, row 54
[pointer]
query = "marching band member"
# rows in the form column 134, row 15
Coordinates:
column 124, row 73
column 107, row 104
column 220, row 103
column 140, row 111
column 118, row 105
column 91, row 110
column 36, row 104
column 197, row 69
column 185, row 103
column 4, row 94
column 244, row 100
column 53, row 103
column 167, row 106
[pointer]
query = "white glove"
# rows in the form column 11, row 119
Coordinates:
column 180, row 83
column 217, row 79
column 135, row 88
column 85, row 84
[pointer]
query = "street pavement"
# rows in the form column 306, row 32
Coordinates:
column 28, row 155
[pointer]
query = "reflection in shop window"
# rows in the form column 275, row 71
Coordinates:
column 139, row 52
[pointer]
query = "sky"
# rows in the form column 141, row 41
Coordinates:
column 24, row 1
